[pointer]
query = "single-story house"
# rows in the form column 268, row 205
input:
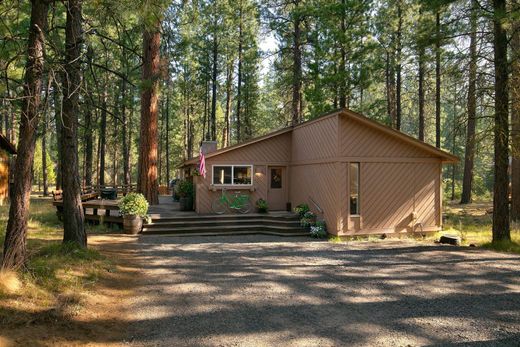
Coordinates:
column 6, row 150
column 358, row 175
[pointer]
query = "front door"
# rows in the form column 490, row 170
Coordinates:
column 277, row 188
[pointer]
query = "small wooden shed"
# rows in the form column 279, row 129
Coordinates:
column 6, row 150
column 358, row 175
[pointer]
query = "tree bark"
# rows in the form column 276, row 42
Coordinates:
column 58, row 121
column 421, row 92
column 73, row 218
column 239, row 76
column 343, row 59
column 89, row 148
column 501, row 227
column 103, row 136
column 147, row 177
column 398, row 67
column 467, row 180
column 515, row 117
column 44, row 151
column 227, row 113
column 16, row 231
column 167, row 142
column 437, row 80
column 213, row 119
column 297, row 67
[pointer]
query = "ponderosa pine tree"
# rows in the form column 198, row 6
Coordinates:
column 147, row 183
column 73, row 217
column 501, row 227
column 467, row 181
column 515, row 112
column 16, row 231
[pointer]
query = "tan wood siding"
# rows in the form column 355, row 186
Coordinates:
column 275, row 151
column 359, row 140
column 317, row 140
column 319, row 182
column 391, row 192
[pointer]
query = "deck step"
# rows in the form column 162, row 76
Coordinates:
column 181, row 218
column 173, row 224
column 225, row 228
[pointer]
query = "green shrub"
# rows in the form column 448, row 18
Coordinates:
column 185, row 189
column 134, row 204
column 261, row 205
column 308, row 219
column 319, row 230
column 301, row 209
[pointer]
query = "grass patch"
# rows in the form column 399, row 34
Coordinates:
column 473, row 223
column 503, row 246
column 56, row 275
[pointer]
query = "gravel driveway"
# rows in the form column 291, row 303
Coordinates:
column 271, row 291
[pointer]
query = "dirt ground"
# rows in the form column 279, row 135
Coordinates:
column 265, row 291
column 95, row 317
column 260, row 290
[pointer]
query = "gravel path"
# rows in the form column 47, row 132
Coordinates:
column 271, row 291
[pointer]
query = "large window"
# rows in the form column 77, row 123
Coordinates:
column 354, row 188
column 232, row 174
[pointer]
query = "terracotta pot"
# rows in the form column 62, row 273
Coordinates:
column 132, row 224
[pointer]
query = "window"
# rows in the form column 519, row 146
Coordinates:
column 232, row 174
column 222, row 174
column 276, row 178
column 241, row 174
column 354, row 188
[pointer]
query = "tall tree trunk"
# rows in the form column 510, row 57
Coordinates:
column 399, row 64
column 501, row 227
column 44, row 141
column 239, row 75
column 227, row 113
column 467, row 180
column 297, row 67
column 168, row 134
column 147, row 177
column 16, row 231
column 390, row 87
column 103, row 136
column 343, row 59
column 421, row 92
column 515, row 117
column 89, row 148
column 58, row 123
column 73, row 218
column 437, row 80
column 213, row 119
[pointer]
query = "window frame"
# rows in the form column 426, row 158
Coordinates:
column 358, row 205
column 232, row 175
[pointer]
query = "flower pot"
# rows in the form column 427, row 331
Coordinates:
column 186, row 203
column 132, row 224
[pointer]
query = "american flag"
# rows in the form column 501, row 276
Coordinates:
column 202, row 163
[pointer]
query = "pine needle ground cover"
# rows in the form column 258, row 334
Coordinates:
column 58, row 290
column 473, row 222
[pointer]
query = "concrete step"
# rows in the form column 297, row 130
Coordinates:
column 254, row 228
column 242, row 222
column 181, row 218
column 224, row 233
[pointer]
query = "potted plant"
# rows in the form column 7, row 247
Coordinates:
column 185, row 191
column 261, row 206
column 134, row 208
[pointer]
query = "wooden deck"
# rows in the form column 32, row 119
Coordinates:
column 98, row 210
